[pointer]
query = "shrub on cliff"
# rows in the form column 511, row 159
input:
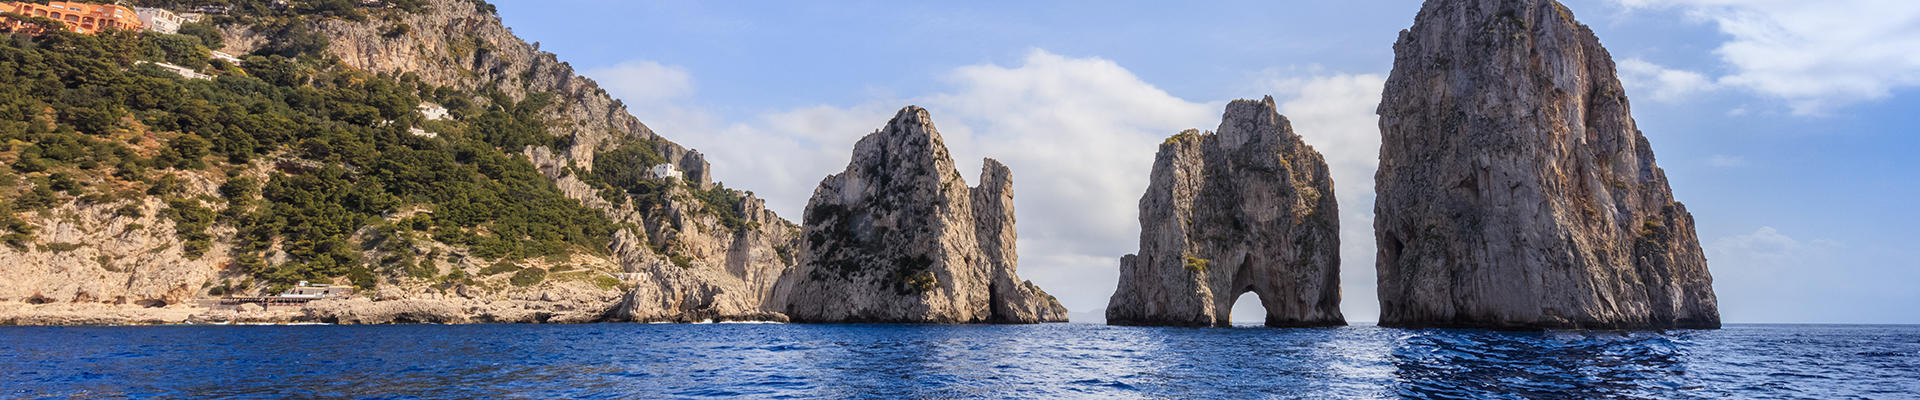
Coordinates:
column 528, row 277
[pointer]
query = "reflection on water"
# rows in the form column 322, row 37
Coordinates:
column 1449, row 364
column 906, row 361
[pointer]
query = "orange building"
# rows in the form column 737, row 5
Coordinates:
column 79, row 17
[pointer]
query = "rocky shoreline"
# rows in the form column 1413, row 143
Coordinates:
column 350, row 311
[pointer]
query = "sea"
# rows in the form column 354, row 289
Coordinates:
column 1077, row 360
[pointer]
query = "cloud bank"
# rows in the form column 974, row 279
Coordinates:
column 1816, row 55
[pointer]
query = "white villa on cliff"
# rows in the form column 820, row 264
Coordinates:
column 664, row 171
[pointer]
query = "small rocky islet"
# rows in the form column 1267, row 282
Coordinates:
column 899, row 237
column 1514, row 192
column 1245, row 208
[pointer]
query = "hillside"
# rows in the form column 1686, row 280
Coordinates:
column 132, row 192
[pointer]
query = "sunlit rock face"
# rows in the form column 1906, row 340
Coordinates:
column 899, row 237
column 724, row 273
column 1515, row 191
column 1248, row 209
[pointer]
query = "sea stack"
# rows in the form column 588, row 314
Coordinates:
column 1515, row 191
column 899, row 237
column 1247, row 209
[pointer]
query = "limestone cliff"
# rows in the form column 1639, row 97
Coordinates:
column 109, row 254
column 1515, row 191
column 1247, row 209
column 729, row 273
column 899, row 237
column 676, row 259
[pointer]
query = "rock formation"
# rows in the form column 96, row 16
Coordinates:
column 899, row 237
column 677, row 263
column 1515, row 191
column 1247, row 209
column 729, row 273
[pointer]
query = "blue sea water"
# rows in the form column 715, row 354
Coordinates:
column 910, row 361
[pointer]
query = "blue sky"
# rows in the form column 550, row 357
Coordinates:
column 1787, row 127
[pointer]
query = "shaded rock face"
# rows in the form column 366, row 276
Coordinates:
column 1248, row 209
column 1515, row 191
column 899, row 237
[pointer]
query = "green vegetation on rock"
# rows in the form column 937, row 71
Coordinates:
column 528, row 277
column 1197, row 264
column 328, row 146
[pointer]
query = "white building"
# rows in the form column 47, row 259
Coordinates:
column 313, row 291
column 664, row 171
column 159, row 19
column 184, row 72
column 223, row 56
column 433, row 112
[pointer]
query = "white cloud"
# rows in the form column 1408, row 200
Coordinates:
column 1817, row 55
column 1726, row 161
column 643, row 82
column 1767, row 274
column 781, row 155
column 1079, row 134
column 1663, row 84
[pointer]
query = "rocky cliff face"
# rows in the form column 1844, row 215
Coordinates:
column 899, row 237
column 1012, row 301
column 677, row 262
column 1247, row 209
column 1515, row 191
column 725, row 274
column 98, row 254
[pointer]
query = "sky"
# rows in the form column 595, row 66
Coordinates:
column 1788, row 127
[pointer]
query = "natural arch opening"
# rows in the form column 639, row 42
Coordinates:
column 1247, row 310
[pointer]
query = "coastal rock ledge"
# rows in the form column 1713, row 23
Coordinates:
column 899, row 237
column 1247, row 209
column 1515, row 191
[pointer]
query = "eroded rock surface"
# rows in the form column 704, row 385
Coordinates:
column 1247, row 209
column 899, row 237
column 1515, row 191
column 678, row 262
column 723, row 273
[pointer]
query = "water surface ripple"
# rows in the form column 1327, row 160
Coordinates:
column 617, row 361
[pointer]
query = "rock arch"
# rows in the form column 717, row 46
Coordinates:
column 1247, row 209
